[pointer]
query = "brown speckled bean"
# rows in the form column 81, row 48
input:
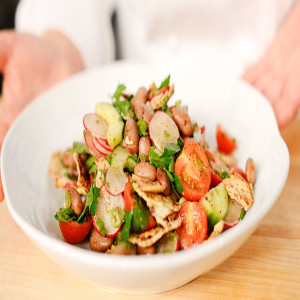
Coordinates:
column 144, row 147
column 163, row 179
column 250, row 171
column 143, row 112
column 140, row 96
column 77, row 205
column 146, row 250
column 100, row 243
column 145, row 170
column 131, row 136
column 182, row 119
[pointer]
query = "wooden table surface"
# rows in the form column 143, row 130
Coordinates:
column 267, row 266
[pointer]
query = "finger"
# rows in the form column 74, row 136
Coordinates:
column 6, row 46
column 286, row 108
column 1, row 190
column 252, row 73
column 270, row 86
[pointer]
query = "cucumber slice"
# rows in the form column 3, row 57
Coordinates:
column 114, row 121
column 215, row 204
column 119, row 157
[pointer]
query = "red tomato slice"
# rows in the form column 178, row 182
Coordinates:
column 193, row 170
column 73, row 232
column 216, row 179
column 226, row 144
column 239, row 171
column 151, row 224
column 193, row 228
column 128, row 197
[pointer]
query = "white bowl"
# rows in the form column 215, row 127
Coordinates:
column 54, row 120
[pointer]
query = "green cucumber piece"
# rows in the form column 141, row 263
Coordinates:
column 215, row 204
column 130, row 164
column 114, row 121
column 119, row 157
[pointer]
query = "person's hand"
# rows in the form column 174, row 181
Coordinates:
column 29, row 66
column 277, row 73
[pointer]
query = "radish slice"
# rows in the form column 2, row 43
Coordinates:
column 95, row 125
column 110, row 209
column 168, row 243
column 163, row 130
column 233, row 213
column 102, row 150
column 115, row 181
column 90, row 145
column 103, row 144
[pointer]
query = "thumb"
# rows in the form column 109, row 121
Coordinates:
column 6, row 46
column 3, row 130
column 1, row 190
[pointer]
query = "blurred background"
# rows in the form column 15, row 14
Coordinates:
column 7, row 18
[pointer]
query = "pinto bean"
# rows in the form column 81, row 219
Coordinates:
column 145, row 170
column 146, row 250
column 163, row 179
column 140, row 96
column 123, row 249
column 188, row 139
column 100, row 243
column 144, row 147
column 131, row 136
column 250, row 171
column 76, row 205
column 143, row 112
column 182, row 119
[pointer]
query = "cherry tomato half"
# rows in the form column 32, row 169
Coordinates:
column 74, row 232
column 193, row 228
column 193, row 170
column 226, row 144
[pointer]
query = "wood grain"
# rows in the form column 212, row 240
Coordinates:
column 267, row 266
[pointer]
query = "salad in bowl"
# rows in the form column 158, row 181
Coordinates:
column 145, row 180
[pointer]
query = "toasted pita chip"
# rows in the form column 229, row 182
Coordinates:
column 218, row 229
column 160, row 206
column 83, row 177
column 102, row 164
column 150, row 237
column 239, row 189
column 148, row 186
column 57, row 170
column 159, row 100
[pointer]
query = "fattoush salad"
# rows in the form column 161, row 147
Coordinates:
column 145, row 181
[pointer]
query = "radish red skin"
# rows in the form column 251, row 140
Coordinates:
column 107, row 235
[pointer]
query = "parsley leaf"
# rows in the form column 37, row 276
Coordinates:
column 101, row 227
column 90, row 163
column 178, row 185
column 79, row 148
column 140, row 217
column 123, row 108
column 91, row 201
column 243, row 213
column 223, row 173
column 119, row 90
column 165, row 82
column 166, row 158
column 65, row 215
column 142, row 128
column 126, row 228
